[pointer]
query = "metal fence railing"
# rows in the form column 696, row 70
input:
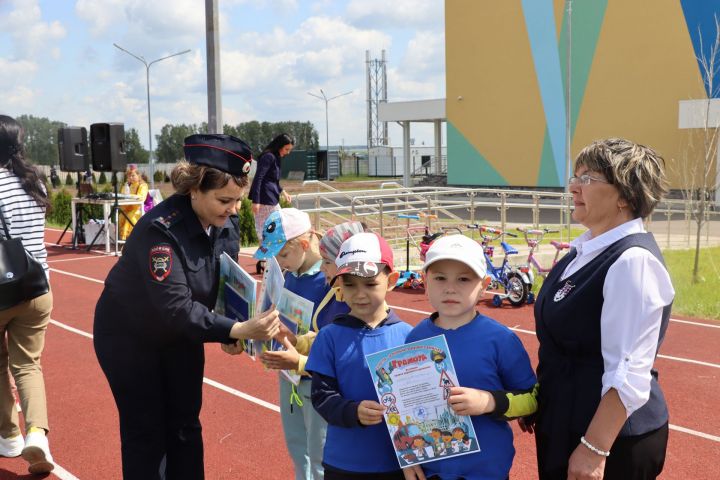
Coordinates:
column 437, row 207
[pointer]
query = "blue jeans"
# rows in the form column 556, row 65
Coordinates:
column 304, row 431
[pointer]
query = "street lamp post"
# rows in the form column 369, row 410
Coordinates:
column 327, row 100
column 147, row 77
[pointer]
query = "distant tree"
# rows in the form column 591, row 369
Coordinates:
column 257, row 135
column 69, row 180
column 699, row 182
column 40, row 139
column 170, row 142
column 103, row 179
column 134, row 149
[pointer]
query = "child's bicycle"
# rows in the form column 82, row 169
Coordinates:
column 534, row 237
column 408, row 278
column 515, row 282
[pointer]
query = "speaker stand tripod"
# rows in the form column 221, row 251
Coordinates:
column 115, row 212
column 78, row 234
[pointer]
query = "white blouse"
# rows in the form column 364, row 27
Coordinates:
column 636, row 289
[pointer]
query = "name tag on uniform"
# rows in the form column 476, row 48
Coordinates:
column 563, row 292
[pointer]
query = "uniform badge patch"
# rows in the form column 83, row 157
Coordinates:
column 160, row 262
column 563, row 292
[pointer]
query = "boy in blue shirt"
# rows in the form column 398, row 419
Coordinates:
column 289, row 237
column 358, row 445
column 490, row 361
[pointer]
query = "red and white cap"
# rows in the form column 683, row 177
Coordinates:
column 364, row 255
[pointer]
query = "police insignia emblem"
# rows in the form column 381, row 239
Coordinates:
column 160, row 261
column 563, row 292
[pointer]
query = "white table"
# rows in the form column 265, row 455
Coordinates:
column 107, row 206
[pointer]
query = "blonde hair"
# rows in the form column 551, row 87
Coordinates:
column 311, row 236
column 637, row 171
column 188, row 176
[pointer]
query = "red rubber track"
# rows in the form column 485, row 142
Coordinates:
column 244, row 440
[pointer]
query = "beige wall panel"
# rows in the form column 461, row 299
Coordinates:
column 643, row 66
column 489, row 64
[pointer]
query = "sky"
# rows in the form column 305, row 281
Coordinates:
column 57, row 60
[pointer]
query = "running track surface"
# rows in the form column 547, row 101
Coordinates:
column 241, row 424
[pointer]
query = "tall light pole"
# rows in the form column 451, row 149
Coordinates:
column 147, row 77
column 327, row 100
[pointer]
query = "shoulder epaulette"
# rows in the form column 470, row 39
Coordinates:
column 168, row 220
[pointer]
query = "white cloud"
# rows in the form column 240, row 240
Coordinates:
column 396, row 14
column 31, row 35
column 425, row 54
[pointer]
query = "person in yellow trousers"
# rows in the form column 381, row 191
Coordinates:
column 136, row 187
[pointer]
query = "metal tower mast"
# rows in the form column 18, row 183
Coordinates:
column 376, row 93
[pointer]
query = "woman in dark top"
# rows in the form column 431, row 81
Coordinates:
column 155, row 312
column 265, row 191
column 600, row 318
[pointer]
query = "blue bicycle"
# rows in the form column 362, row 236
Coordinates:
column 515, row 283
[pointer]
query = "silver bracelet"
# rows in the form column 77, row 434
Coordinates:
column 593, row 448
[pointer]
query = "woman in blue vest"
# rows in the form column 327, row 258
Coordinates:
column 600, row 317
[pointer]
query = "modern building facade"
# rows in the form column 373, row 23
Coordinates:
column 631, row 63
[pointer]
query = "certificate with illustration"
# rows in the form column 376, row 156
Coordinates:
column 236, row 295
column 413, row 383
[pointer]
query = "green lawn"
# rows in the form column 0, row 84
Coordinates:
column 702, row 299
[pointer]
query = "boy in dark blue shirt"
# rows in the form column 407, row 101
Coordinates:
column 358, row 445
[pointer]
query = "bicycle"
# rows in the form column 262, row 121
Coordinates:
column 408, row 278
column 534, row 237
column 515, row 282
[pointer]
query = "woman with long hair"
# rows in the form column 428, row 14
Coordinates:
column 23, row 201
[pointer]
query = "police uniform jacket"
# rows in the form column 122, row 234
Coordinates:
column 164, row 286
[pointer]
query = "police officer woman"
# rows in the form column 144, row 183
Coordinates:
column 154, row 314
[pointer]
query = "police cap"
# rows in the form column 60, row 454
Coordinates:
column 224, row 152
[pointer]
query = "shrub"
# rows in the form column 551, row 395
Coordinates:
column 103, row 179
column 69, row 180
column 166, row 179
column 60, row 213
column 159, row 176
column 248, row 236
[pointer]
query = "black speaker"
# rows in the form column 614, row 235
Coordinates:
column 107, row 143
column 73, row 149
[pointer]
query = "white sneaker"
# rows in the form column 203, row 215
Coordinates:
column 11, row 447
column 37, row 453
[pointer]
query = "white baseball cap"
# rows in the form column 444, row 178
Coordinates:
column 363, row 255
column 459, row 248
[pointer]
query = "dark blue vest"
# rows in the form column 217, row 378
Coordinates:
column 570, row 368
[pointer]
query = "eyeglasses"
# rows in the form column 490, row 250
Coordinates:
column 584, row 179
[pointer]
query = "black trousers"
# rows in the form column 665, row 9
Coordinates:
column 336, row 475
column 158, row 393
column 640, row 457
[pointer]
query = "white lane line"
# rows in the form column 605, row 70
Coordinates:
column 238, row 393
column 689, row 431
column 275, row 408
column 532, row 332
column 83, row 277
column 521, row 330
column 72, row 329
column 699, row 324
column 75, row 259
column 687, row 360
column 63, row 474
column 677, row 320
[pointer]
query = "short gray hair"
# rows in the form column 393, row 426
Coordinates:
column 637, row 171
